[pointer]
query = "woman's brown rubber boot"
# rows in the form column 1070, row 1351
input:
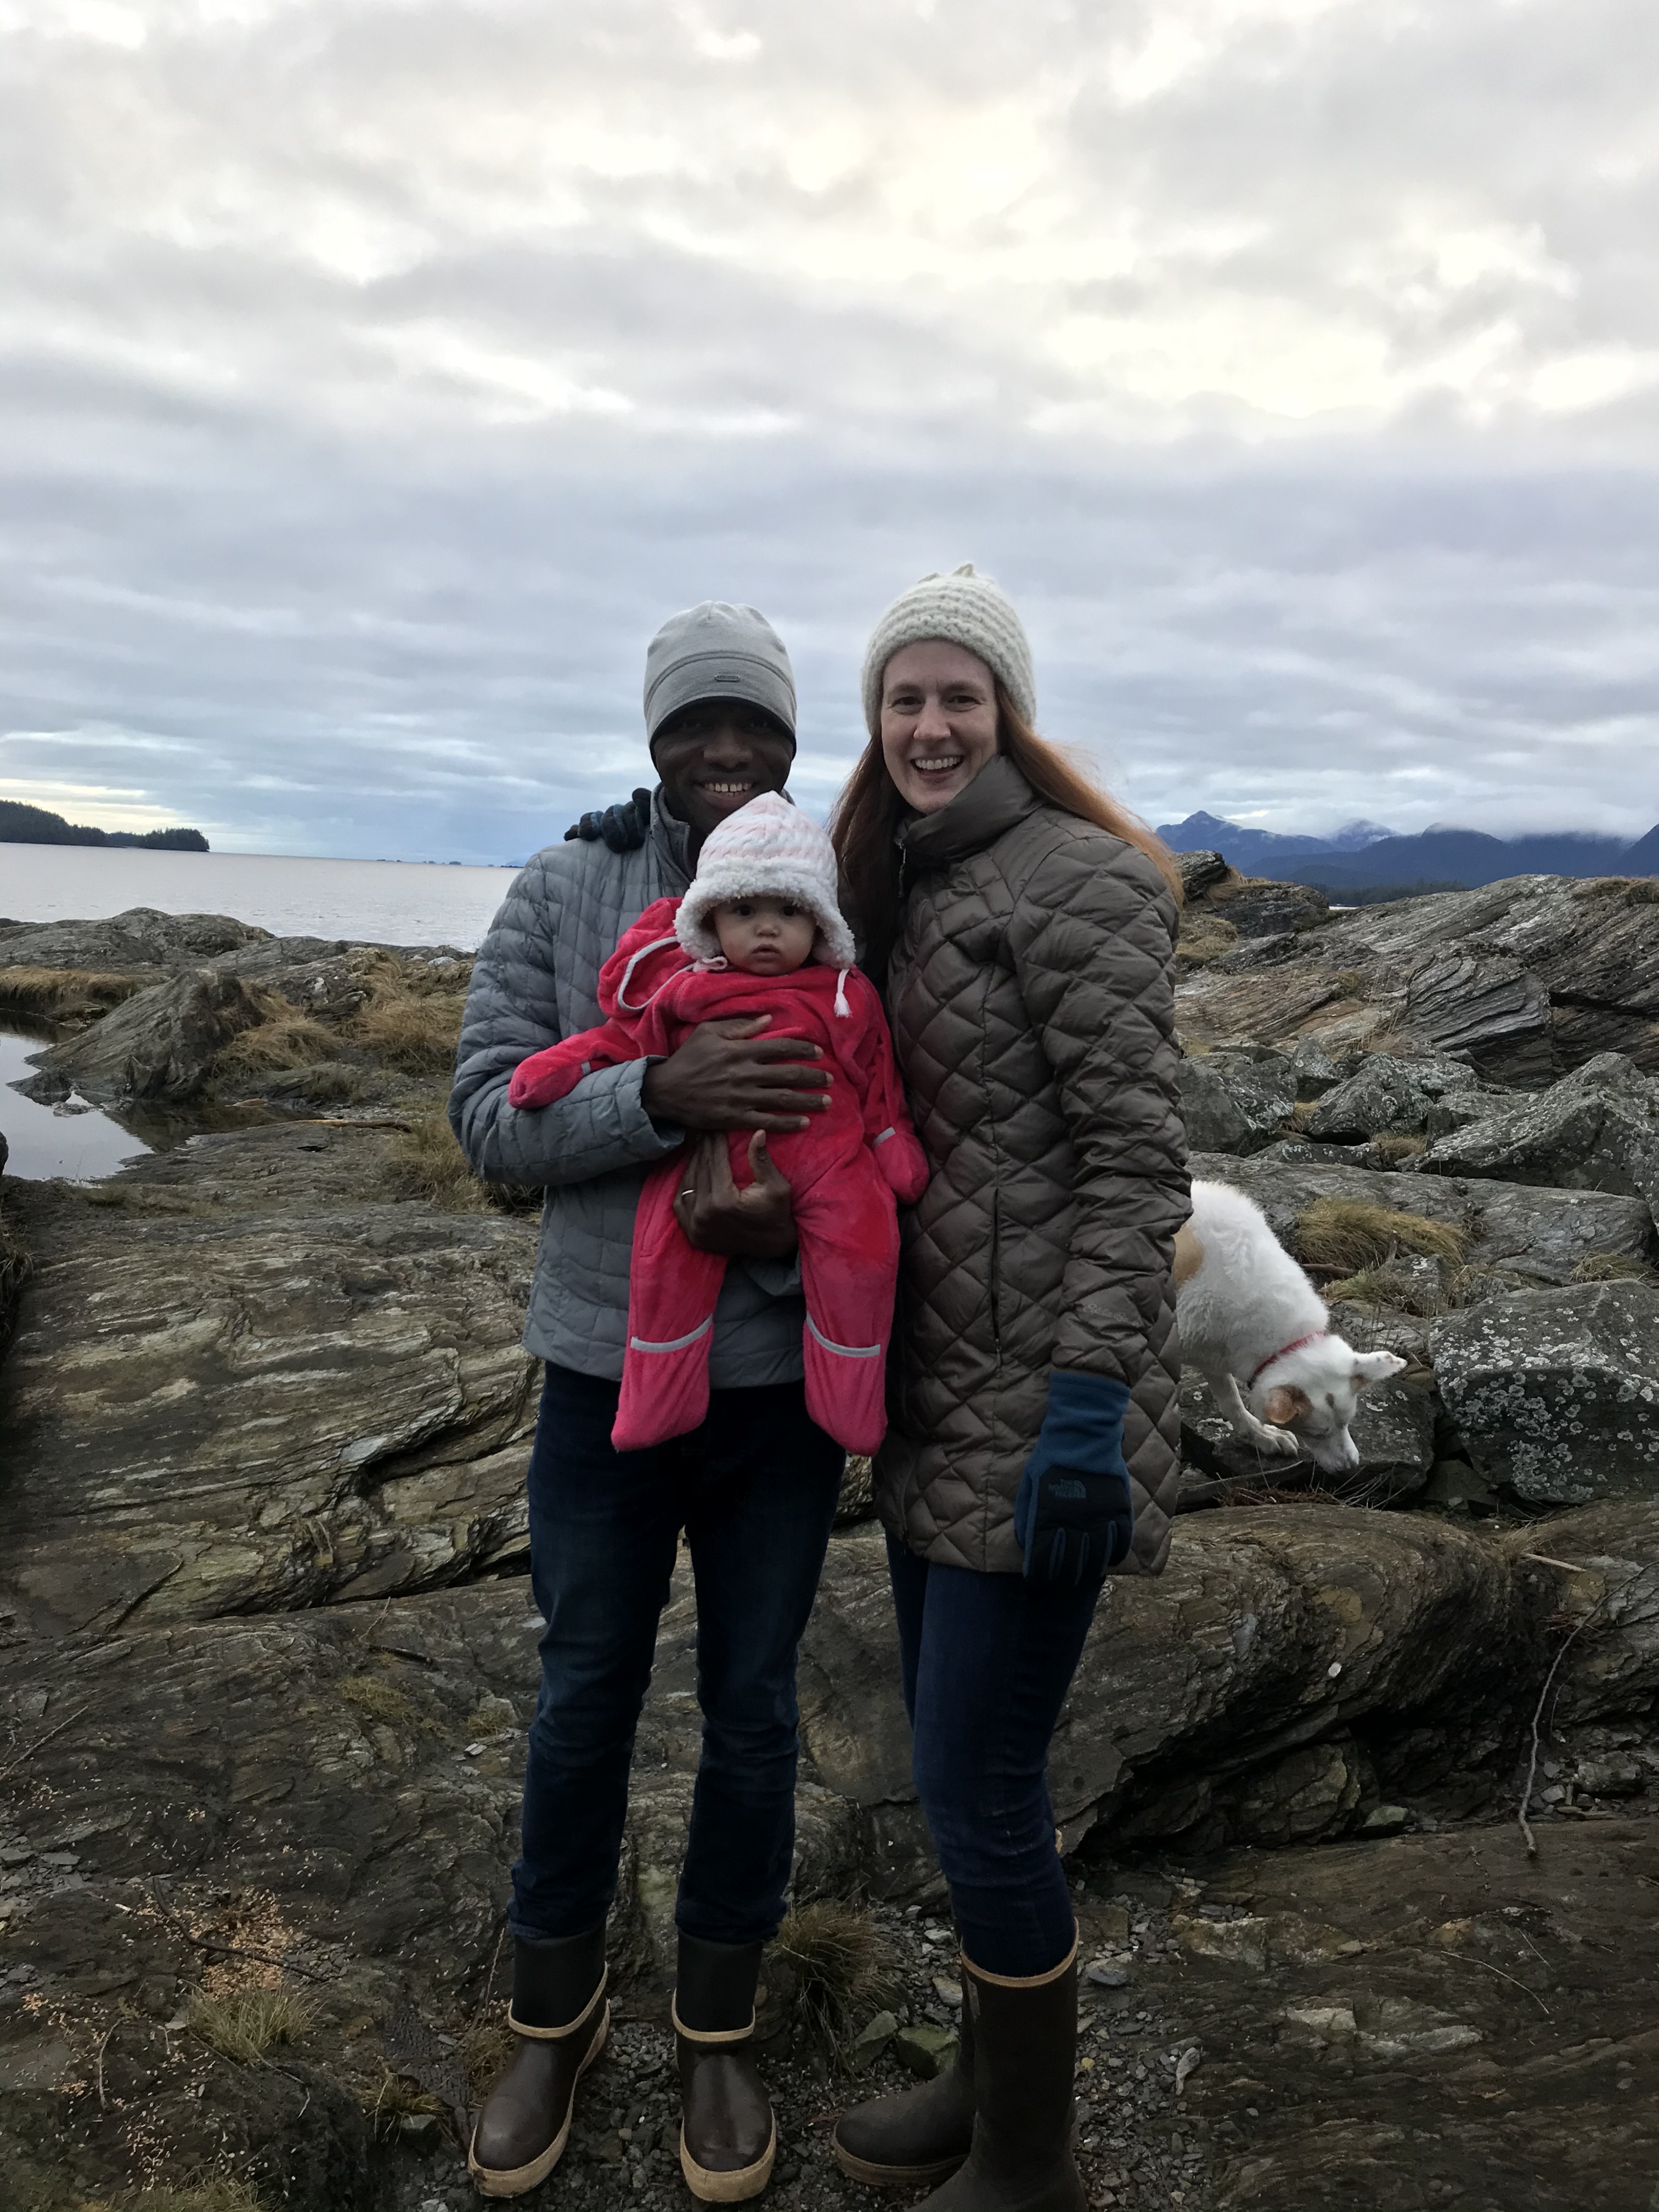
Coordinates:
column 561, row 2017
column 918, row 2137
column 728, row 2136
column 1024, row 2059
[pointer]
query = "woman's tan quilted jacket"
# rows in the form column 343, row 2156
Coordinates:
column 1033, row 1011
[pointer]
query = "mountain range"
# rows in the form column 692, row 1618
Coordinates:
column 1364, row 857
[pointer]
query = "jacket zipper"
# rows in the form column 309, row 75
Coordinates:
column 996, row 1266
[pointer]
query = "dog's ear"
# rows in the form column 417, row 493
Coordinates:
column 1374, row 1367
column 1284, row 1406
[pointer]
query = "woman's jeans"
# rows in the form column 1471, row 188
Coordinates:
column 987, row 1660
column 754, row 1490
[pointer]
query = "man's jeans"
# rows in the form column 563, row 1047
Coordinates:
column 755, row 1489
column 987, row 1661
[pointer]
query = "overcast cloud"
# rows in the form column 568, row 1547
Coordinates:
column 374, row 377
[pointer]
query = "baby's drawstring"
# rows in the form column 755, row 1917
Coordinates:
column 655, row 945
column 842, row 1006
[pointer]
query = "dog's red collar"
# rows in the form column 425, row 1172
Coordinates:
column 1283, row 1352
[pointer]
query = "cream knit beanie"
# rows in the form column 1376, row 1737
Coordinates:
column 771, row 848
column 965, row 608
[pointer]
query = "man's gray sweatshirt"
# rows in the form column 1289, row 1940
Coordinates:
column 536, row 980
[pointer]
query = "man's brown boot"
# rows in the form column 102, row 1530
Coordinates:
column 561, row 2017
column 728, row 2137
column 1024, row 2058
column 920, row 2136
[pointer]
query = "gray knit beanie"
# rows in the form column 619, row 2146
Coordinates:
column 965, row 608
column 717, row 651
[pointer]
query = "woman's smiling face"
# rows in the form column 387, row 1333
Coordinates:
column 938, row 722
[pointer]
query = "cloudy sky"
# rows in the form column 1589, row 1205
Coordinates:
column 376, row 374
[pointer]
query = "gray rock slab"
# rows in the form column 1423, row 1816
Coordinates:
column 1556, row 1393
column 1537, row 1233
column 1597, row 1129
column 141, row 938
column 157, row 1046
column 1235, row 1101
column 205, row 1412
column 1530, row 977
column 1387, row 1095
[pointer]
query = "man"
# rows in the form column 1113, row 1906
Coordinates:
column 755, row 1488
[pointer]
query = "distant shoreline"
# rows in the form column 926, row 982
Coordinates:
column 23, row 824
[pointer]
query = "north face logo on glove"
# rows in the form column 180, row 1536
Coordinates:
column 1069, row 1490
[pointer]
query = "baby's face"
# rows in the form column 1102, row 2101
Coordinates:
column 765, row 936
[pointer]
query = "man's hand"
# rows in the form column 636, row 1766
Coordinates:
column 727, row 1076
column 754, row 1222
column 624, row 828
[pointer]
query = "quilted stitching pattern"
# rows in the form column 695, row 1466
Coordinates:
column 1033, row 1013
column 535, row 981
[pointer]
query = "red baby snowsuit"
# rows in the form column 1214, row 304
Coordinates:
column 843, row 1173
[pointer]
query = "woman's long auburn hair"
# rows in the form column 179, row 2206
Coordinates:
column 865, row 822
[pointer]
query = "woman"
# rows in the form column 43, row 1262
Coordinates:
column 1025, row 924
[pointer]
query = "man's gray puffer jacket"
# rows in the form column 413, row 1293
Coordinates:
column 1033, row 1009
column 536, row 980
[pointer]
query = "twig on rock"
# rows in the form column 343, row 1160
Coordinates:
column 1498, row 1970
column 1543, row 1560
column 41, row 1741
column 103, row 2042
column 1538, row 1713
column 233, row 1950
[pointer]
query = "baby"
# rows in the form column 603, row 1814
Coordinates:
column 758, row 932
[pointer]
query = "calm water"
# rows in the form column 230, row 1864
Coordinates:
column 385, row 901
column 55, row 1140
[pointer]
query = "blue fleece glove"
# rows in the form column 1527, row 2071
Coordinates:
column 1073, row 1516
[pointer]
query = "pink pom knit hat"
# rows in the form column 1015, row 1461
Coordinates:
column 767, row 847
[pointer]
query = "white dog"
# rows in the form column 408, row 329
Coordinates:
column 1254, row 1326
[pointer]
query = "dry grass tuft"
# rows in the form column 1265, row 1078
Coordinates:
column 1630, row 891
column 15, row 1264
column 1346, row 1236
column 841, row 1964
column 412, row 1017
column 284, row 1038
column 67, row 994
column 245, row 2025
column 1614, row 1267
column 1400, row 1288
column 487, row 2048
column 1393, row 1148
column 429, row 1164
column 380, row 1699
column 1348, row 983
column 218, row 2193
column 1204, row 936
column 398, row 2095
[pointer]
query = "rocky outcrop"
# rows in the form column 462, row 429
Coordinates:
column 1556, row 1393
column 1597, row 1129
column 271, row 1384
column 158, row 1047
column 1529, row 978
column 1527, row 1234
column 1235, row 1101
column 141, row 938
column 1388, row 1096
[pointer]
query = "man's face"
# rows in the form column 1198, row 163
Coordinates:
column 716, row 755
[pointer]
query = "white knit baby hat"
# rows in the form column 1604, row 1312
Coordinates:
column 965, row 608
column 770, row 847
